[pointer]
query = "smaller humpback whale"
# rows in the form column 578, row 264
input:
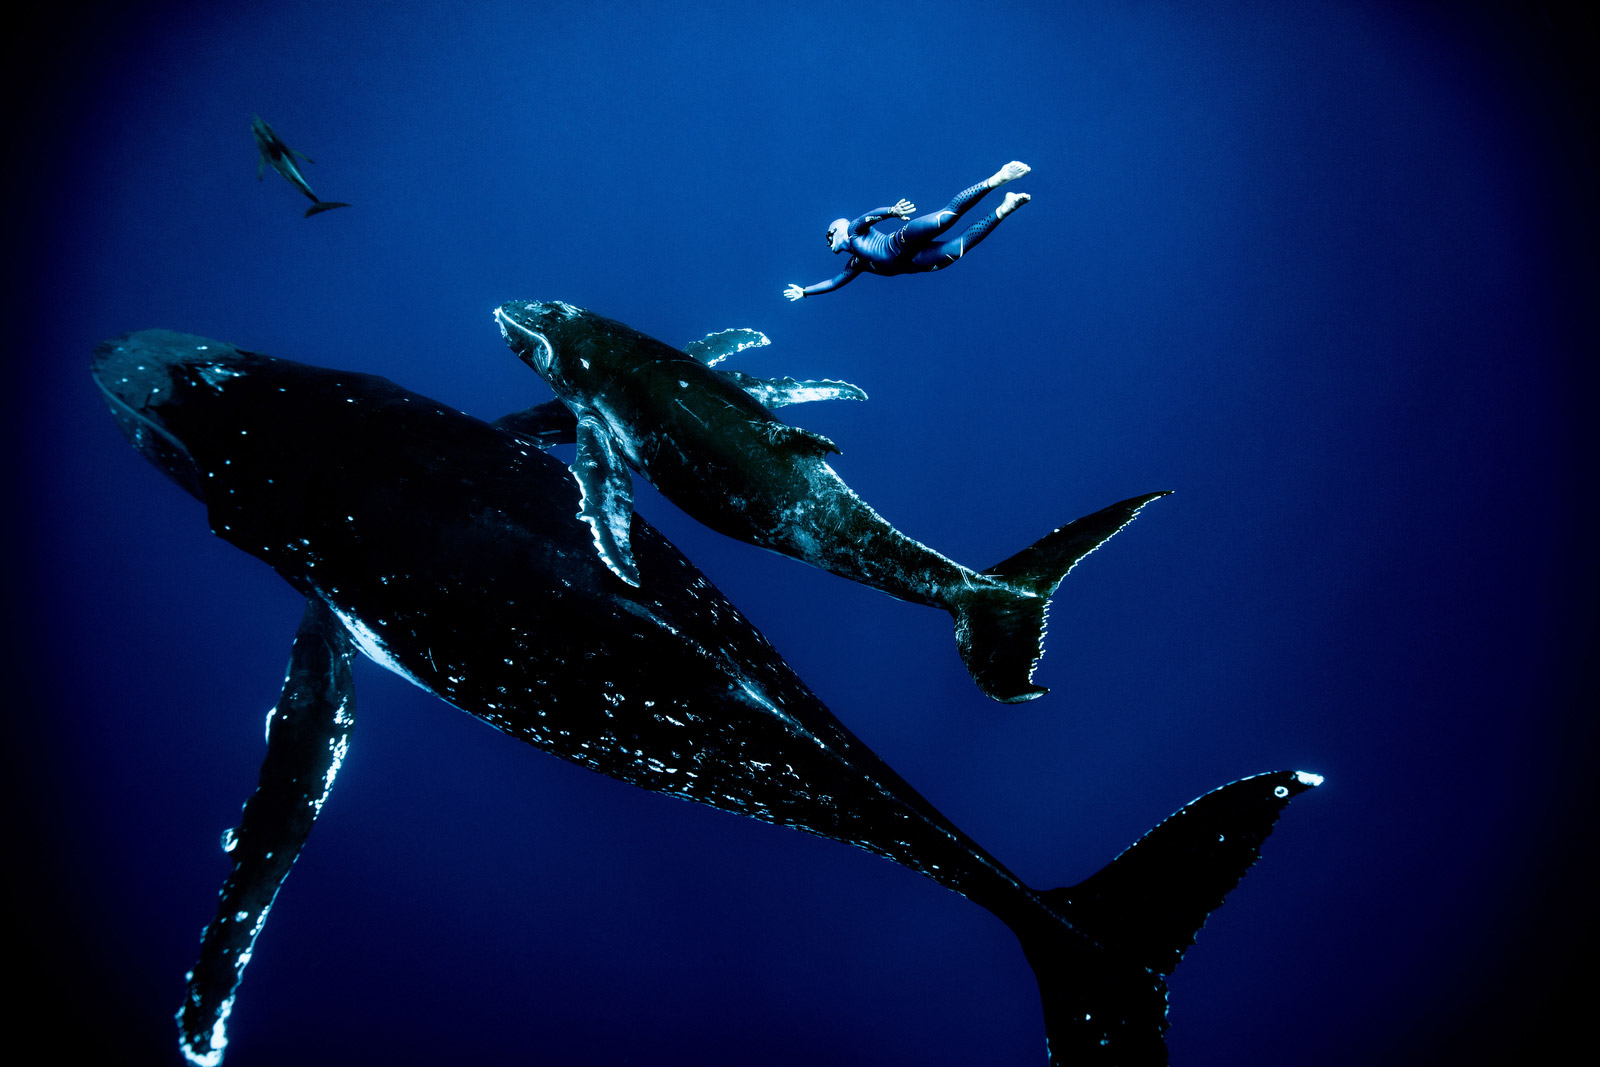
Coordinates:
column 445, row 549
column 279, row 156
column 710, row 444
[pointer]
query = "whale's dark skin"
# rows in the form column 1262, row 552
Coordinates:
column 706, row 442
column 446, row 549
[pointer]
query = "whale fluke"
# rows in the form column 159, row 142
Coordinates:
column 1105, row 1000
column 1000, row 631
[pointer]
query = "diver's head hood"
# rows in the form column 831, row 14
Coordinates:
column 838, row 234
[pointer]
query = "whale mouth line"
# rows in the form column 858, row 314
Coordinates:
column 546, row 355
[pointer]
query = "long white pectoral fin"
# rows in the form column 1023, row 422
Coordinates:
column 781, row 392
column 308, row 734
column 607, row 489
column 713, row 348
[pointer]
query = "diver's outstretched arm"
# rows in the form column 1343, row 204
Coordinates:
column 794, row 292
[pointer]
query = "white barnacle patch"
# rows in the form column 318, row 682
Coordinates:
column 1307, row 778
column 230, row 840
column 211, row 1055
column 215, row 375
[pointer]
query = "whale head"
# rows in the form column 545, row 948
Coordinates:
column 528, row 326
column 149, row 377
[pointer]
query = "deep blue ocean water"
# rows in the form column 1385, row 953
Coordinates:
column 1326, row 269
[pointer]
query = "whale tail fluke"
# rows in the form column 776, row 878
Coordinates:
column 1102, row 970
column 324, row 205
column 1000, row 630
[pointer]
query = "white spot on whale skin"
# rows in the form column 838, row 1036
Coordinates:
column 1307, row 778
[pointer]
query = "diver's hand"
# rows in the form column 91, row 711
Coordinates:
column 793, row 292
column 903, row 209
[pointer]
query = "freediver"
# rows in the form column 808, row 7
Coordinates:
column 280, row 157
column 912, row 249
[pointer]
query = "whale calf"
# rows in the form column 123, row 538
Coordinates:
column 706, row 440
column 447, row 550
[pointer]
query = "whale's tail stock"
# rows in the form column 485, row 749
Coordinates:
column 1000, row 629
column 1101, row 950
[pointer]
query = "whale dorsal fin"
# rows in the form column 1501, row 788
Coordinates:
column 806, row 442
column 607, row 488
column 713, row 348
column 780, row 392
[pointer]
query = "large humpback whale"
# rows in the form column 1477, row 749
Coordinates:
column 446, row 549
column 707, row 442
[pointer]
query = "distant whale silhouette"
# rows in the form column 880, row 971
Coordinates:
column 280, row 157
column 707, row 442
column 446, row 549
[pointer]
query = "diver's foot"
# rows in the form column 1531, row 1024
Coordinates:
column 1010, row 204
column 1008, row 173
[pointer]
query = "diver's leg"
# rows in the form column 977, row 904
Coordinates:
column 925, row 228
column 939, row 256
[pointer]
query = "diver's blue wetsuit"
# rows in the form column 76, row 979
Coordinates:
column 910, row 249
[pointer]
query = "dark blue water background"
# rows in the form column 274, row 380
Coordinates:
column 1325, row 269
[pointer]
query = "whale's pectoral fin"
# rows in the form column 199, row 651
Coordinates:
column 713, row 348
column 545, row 425
column 806, row 442
column 308, row 733
column 607, row 488
column 780, row 392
